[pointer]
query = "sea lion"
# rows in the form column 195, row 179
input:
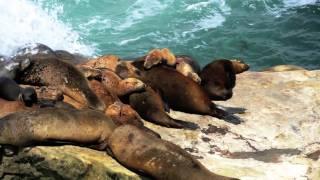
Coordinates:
column 156, row 157
column 9, row 107
column 183, row 64
column 11, row 91
column 131, row 146
column 150, row 107
column 53, row 72
column 281, row 68
column 219, row 78
column 106, row 61
column 86, row 127
column 69, row 57
column 195, row 66
column 188, row 67
column 120, row 113
column 158, row 56
column 180, row 92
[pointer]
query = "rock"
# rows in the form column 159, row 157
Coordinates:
column 279, row 138
column 65, row 162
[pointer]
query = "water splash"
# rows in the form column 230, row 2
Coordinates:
column 24, row 22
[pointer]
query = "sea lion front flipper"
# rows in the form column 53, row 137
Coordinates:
column 224, row 115
column 150, row 107
column 158, row 158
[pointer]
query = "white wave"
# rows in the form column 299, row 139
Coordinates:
column 282, row 7
column 218, row 9
column 198, row 5
column 23, row 22
column 298, row 3
column 140, row 10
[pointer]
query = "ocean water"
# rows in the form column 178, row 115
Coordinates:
column 261, row 32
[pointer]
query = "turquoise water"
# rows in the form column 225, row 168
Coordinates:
column 262, row 32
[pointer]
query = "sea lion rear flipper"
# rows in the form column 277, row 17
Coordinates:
column 186, row 124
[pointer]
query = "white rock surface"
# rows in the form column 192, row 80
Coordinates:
column 279, row 138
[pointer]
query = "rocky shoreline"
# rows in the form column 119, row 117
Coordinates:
column 278, row 140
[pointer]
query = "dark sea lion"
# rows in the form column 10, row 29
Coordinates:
column 181, row 92
column 33, row 51
column 150, row 107
column 11, row 91
column 155, row 157
column 70, row 57
column 131, row 146
column 219, row 78
column 53, row 72
column 120, row 113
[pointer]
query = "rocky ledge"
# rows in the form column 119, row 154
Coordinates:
column 279, row 138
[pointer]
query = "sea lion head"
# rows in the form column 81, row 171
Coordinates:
column 219, row 78
column 29, row 96
column 239, row 66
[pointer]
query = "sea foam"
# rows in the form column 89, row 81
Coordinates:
column 24, row 22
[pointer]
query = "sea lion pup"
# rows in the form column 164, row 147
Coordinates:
column 11, row 91
column 128, row 144
column 181, row 92
column 219, row 77
column 53, row 72
column 188, row 67
column 158, row 158
column 158, row 56
column 182, row 63
column 281, row 68
column 150, row 107
column 106, row 61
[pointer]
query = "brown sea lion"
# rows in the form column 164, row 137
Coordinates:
column 106, row 61
column 150, row 107
column 87, row 127
column 53, row 72
column 9, row 107
column 158, row 56
column 158, row 158
column 131, row 146
column 219, row 78
column 188, row 67
column 180, row 92
column 183, row 64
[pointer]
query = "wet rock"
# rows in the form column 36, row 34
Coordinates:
column 65, row 162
